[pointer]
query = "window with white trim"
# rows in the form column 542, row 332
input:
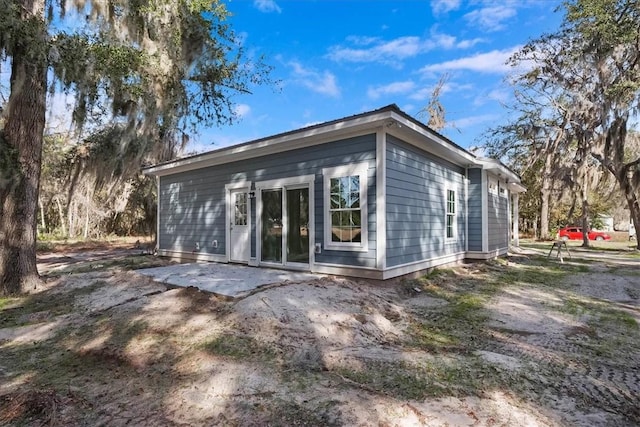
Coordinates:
column 345, row 210
column 450, row 220
column 493, row 186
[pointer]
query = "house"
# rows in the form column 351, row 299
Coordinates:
column 374, row 195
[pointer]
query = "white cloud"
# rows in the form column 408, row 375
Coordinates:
column 242, row 110
column 320, row 82
column 396, row 88
column 393, row 52
column 426, row 92
column 377, row 50
column 475, row 120
column 444, row 6
column 466, row 44
column 267, row 6
column 490, row 62
column 490, row 18
column 499, row 95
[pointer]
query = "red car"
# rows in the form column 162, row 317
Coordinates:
column 575, row 233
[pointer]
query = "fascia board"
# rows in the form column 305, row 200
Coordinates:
column 303, row 138
column 498, row 168
column 434, row 143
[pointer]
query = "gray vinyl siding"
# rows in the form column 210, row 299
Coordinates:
column 475, row 209
column 498, row 220
column 415, row 205
column 192, row 203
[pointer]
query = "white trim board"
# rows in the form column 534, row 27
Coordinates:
column 301, row 181
column 381, row 199
column 193, row 256
column 362, row 170
column 401, row 270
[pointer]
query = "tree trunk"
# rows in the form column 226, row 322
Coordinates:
column 63, row 220
column 545, row 195
column 43, row 222
column 585, row 223
column 632, row 202
column 23, row 134
column 585, row 208
column 86, row 221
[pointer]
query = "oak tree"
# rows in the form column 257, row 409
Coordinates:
column 155, row 68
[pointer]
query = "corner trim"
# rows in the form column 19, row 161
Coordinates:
column 381, row 199
column 485, row 211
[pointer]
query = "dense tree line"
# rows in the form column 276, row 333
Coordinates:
column 575, row 104
column 146, row 72
column 87, row 192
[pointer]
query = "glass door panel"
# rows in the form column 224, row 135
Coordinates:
column 297, row 229
column 272, row 226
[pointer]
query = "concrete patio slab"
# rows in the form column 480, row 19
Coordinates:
column 224, row 279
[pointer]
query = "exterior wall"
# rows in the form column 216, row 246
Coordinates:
column 192, row 204
column 415, row 212
column 475, row 209
column 498, row 218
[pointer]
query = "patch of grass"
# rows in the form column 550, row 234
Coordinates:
column 37, row 308
column 240, row 348
column 455, row 326
column 543, row 273
column 461, row 377
column 395, row 380
column 618, row 318
column 8, row 301
column 601, row 313
column 614, row 331
column 290, row 413
column 426, row 336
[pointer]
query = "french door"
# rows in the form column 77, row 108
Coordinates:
column 285, row 226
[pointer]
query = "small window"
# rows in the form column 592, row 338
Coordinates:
column 493, row 186
column 451, row 215
column 241, row 209
column 345, row 190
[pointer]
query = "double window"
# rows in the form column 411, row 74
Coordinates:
column 345, row 212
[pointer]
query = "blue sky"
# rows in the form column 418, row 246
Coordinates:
column 336, row 58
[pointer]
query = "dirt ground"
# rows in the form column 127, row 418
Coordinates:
column 524, row 341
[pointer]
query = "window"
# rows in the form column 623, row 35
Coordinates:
column 346, row 207
column 493, row 186
column 451, row 215
column 241, row 209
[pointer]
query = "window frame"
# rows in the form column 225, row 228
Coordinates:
column 360, row 170
column 453, row 215
column 492, row 186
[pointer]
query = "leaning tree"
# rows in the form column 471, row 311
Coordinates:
column 155, row 67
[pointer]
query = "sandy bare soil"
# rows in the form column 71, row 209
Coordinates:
column 525, row 342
